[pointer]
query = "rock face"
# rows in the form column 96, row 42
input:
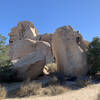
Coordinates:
column 80, row 41
column 28, row 55
column 45, row 37
column 69, row 50
column 22, row 48
column 24, row 30
column 30, row 66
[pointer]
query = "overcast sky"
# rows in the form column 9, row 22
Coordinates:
column 47, row 15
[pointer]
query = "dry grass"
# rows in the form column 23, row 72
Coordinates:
column 52, row 90
column 3, row 92
column 82, row 83
column 28, row 89
column 34, row 88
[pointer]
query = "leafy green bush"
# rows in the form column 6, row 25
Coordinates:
column 7, row 74
column 94, row 56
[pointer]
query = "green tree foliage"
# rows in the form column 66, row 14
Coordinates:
column 94, row 56
column 6, row 73
column 3, row 49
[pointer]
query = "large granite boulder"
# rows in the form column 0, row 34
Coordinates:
column 69, row 51
column 29, row 62
column 22, row 48
column 28, row 55
column 30, row 66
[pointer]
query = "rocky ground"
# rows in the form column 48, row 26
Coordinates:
column 91, row 92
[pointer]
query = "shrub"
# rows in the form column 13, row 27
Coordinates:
column 34, row 88
column 93, row 54
column 7, row 74
column 28, row 89
column 3, row 49
column 52, row 90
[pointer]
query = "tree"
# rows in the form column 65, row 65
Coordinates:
column 94, row 56
column 3, row 50
column 6, row 72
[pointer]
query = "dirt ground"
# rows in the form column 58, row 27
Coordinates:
column 90, row 92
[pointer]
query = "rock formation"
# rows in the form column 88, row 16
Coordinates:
column 30, row 52
column 30, row 67
column 69, row 50
column 45, row 37
column 24, row 30
column 80, row 41
column 25, row 50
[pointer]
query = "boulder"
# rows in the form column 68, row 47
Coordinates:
column 70, row 56
column 23, row 41
column 22, row 48
column 45, row 37
column 28, row 55
column 30, row 66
